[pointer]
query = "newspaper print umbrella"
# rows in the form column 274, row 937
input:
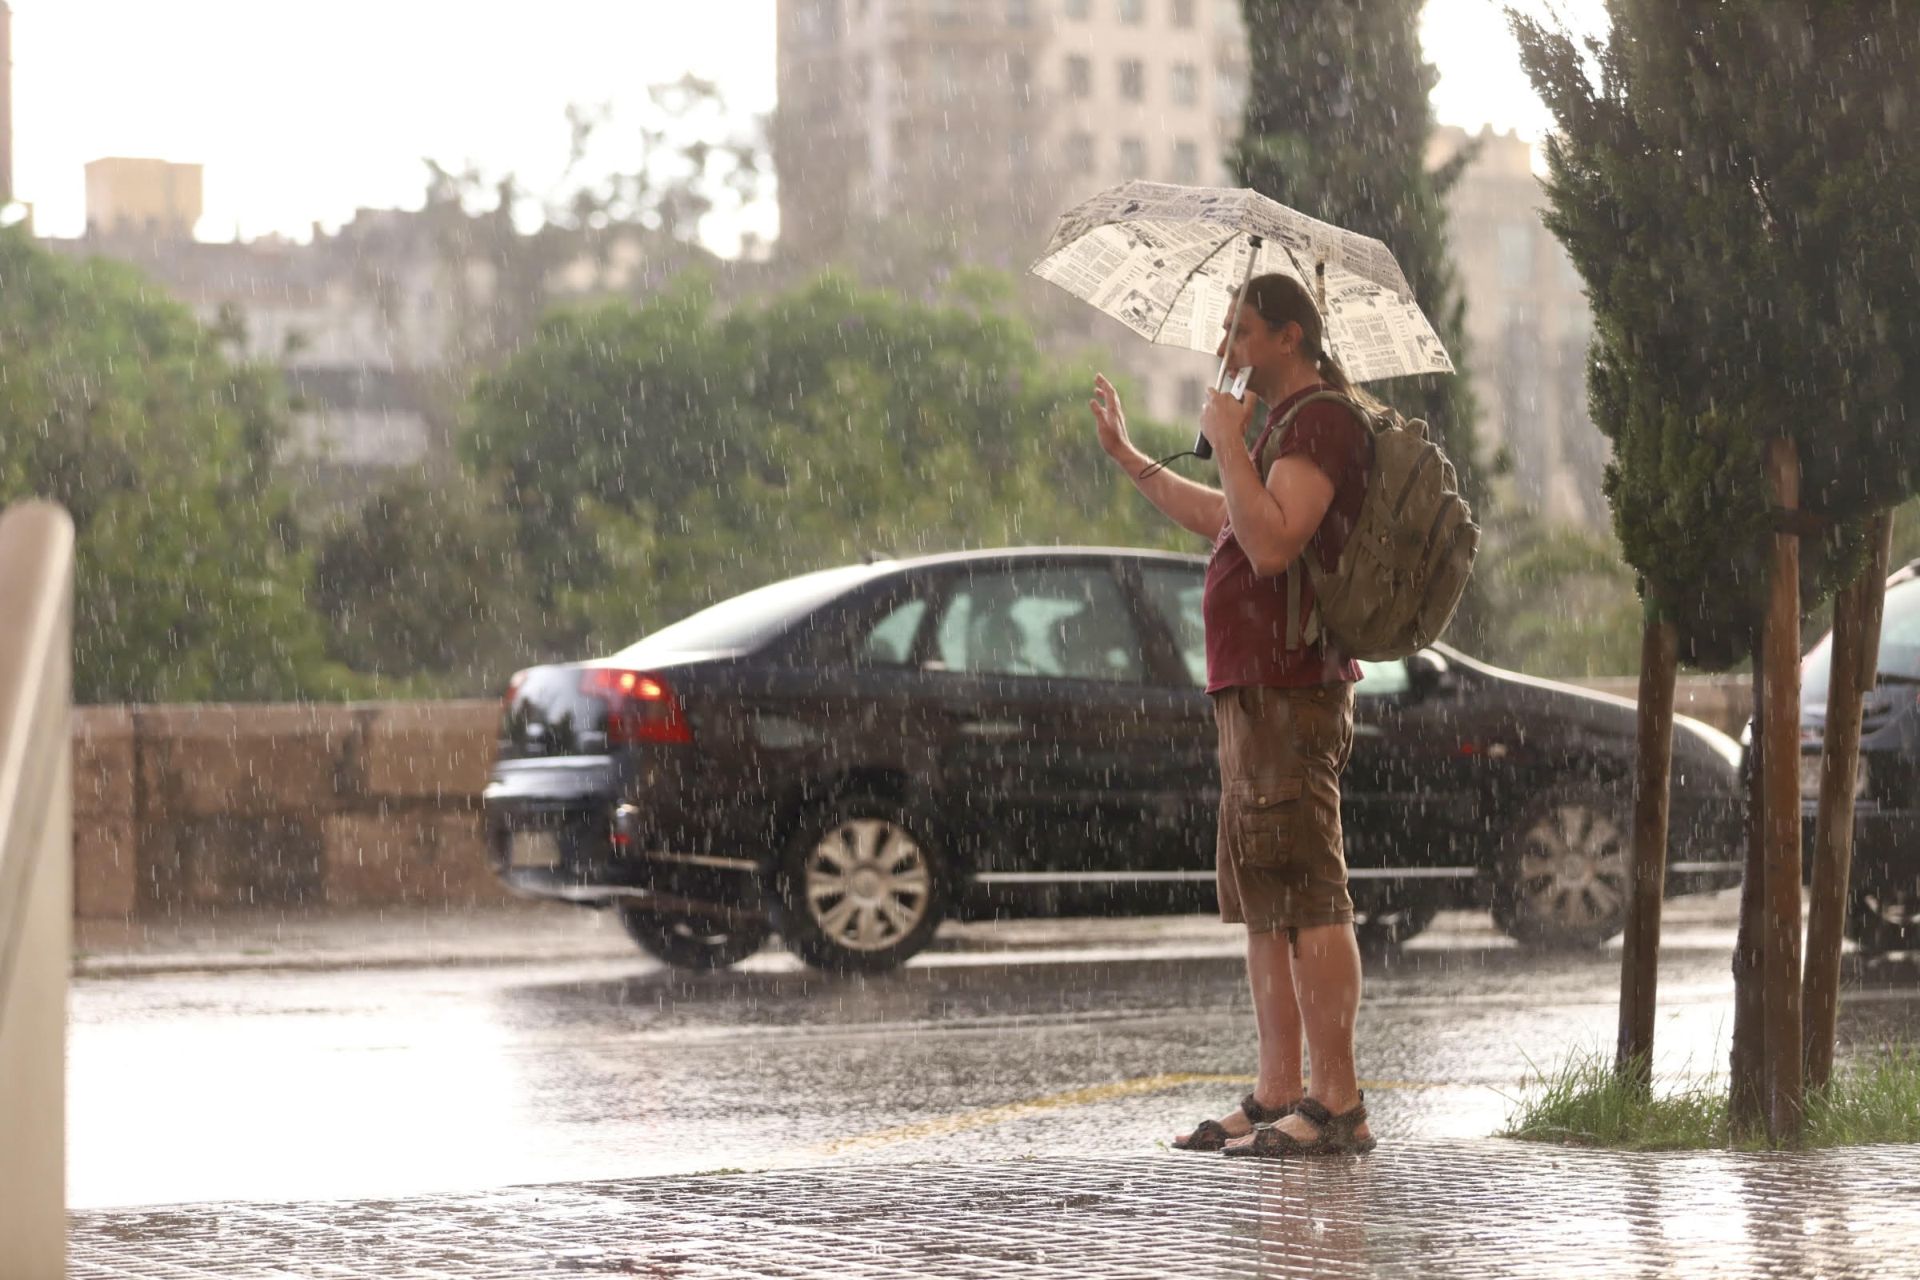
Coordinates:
column 1169, row 261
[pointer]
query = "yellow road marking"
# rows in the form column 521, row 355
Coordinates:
column 986, row 1117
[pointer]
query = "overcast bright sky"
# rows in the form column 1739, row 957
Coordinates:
column 302, row 113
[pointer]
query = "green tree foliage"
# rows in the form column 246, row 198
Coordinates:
column 1735, row 183
column 422, row 590
column 119, row 405
column 1337, row 125
column 656, row 458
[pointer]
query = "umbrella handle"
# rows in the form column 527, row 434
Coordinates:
column 1203, row 447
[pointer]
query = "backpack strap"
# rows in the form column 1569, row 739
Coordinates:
column 1302, row 632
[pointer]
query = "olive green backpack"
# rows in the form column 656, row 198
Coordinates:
column 1406, row 564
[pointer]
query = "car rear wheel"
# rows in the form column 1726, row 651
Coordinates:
column 860, row 887
column 1564, row 869
column 690, row 942
column 1881, row 920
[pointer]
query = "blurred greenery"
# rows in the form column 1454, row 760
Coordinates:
column 631, row 463
column 655, row 458
column 117, row 403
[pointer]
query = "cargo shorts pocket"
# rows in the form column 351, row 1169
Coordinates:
column 1264, row 818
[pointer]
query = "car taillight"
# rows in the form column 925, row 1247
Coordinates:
column 640, row 707
column 513, row 688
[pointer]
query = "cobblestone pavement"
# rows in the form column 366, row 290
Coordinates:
column 1426, row 1209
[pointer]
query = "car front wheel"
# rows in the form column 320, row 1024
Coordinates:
column 1564, row 868
column 689, row 942
column 860, row 887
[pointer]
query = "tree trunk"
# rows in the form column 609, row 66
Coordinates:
column 1854, row 667
column 1780, row 934
column 1640, row 956
column 1746, row 1101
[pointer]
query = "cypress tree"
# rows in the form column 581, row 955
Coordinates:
column 1736, row 184
column 1337, row 125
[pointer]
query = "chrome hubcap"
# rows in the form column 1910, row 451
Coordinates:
column 867, row 884
column 1573, row 868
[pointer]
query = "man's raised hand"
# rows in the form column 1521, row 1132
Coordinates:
column 1110, row 418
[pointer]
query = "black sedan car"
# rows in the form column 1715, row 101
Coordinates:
column 1884, row 911
column 851, row 756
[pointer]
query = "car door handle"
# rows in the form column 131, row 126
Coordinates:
column 975, row 725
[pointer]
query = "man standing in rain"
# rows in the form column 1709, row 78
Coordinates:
column 1283, row 703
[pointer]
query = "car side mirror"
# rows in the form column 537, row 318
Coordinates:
column 1426, row 673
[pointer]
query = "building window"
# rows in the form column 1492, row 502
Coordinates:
column 1133, row 79
column 1076, row 9
column 1133, row 158
column 947, row 13
column 1228, row 97
column 1184, row 84
column 817, row 19
column 1515, row 248
column 1019, row 13
column 1020, row 76
column 1019, row 152
column 1183, row 13
column 1079, row 76
column 1186, row 163
column 1080, row 153
column 1133, row 12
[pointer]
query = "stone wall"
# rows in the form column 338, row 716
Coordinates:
column 185, row 809
column 193, row 808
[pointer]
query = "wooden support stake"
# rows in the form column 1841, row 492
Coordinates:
column 1853, row 667
column 1746, row 1100
column 1780, row 932
column 1640, row 955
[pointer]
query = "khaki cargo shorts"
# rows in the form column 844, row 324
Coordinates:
column 1280, row 860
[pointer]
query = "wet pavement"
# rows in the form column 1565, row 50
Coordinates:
column 1415, row 1208
column 1010, row 1091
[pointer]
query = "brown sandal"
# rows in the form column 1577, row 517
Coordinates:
column 1211, row 1135
column 1336, row 1136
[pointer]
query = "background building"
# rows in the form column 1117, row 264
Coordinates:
column 6, row 103
column 1529, row 325
column 155, row 198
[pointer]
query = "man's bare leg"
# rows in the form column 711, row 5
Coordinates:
column 1276, row 1014
column 1326, row 976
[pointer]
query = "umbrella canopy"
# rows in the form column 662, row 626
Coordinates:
column 1166, row 261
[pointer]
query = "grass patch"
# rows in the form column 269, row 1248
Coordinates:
column 1583, row 1103
column 1873, row 1098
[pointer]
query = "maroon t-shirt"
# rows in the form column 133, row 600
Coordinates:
column 1246, row 615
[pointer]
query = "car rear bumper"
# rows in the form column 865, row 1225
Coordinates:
column 576, row 849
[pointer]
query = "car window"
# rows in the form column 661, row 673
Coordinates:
column 890, row 640
column 746, row 621
column 1899, row 644
column 1383, row 679
column 1068, row 622
column 1173, row 593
